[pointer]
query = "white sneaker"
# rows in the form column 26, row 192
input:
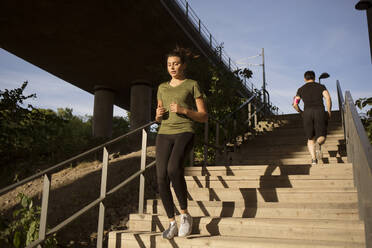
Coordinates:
column 185, row 225
column 171, row 231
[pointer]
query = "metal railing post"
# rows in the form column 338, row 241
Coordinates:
column 210, row 40
column 101, row 216
column 249, row 115
column 217, row 143
column 255, row 117
column 205, row 143
column 225, row 142
column 44, row 207
column 141, row 197
column 235, row 132
column 199, row 26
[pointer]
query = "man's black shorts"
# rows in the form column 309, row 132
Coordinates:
column 315, row 122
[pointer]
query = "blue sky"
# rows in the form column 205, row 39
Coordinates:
column 297, row 35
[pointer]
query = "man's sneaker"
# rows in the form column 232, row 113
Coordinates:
column 185, row 226
column 314, row 162
column 318, row 152
column 171, row 231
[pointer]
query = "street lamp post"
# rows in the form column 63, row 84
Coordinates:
column 323, row 75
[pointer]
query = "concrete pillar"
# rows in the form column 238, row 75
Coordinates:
column 140, row 104
column 103, row 111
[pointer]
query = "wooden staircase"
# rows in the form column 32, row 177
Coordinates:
column 270, row 196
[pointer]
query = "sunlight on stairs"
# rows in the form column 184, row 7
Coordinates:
column 270, row 196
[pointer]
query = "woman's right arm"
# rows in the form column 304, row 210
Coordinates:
column 160, row 110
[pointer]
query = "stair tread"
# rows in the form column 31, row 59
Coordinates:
column 350, row 225
column 295, row 205
column 271, row 177
column 287, row 190
column 202, row 240
column 248, row 167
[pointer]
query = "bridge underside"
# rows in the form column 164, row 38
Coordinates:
column 90, row 43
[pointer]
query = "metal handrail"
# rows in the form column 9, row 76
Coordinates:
column 239, row 108
column 70, row 160
column 341, row 105
column 43, row 233
column 223, row 123
column 359, row 153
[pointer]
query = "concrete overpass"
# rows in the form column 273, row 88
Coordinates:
column 103, row 47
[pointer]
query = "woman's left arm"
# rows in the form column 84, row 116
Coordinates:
column 200, row 115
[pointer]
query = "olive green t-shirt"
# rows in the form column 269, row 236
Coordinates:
column 184, row 95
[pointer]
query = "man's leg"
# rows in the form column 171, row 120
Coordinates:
column 320, row 140
column 311, row 147
column 320, row 124
column 308, row 122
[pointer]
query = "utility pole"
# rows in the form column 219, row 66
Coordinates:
column 263, row 77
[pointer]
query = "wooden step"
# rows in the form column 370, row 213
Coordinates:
column 289, row 141
column 274, row 194
column 281, row 182
column 325, row 169
column 285, row 161
column 257, row 146
column 304, row 229
column 286, row 131
column 285, row 158
column 299, row 136
column 264, row 178
column 126, row 239
column 340, row 211
column 284, row 148
column 288, row 154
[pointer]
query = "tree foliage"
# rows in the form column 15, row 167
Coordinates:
column 366, row 117
column 31, row 138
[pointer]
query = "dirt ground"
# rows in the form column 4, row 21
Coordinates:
column 75, row 187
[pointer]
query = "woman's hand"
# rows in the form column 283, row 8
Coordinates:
column 159, row 113
column 175, row 108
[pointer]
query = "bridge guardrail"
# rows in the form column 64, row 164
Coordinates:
column 208, row 37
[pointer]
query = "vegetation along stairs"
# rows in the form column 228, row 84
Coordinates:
column 268, row 195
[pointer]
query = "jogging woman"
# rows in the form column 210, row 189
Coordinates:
column 180, row 103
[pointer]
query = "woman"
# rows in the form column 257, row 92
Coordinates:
column 177, row 100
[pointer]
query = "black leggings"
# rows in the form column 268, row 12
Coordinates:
column 171, row 150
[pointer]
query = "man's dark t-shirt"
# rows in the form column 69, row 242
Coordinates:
column 312, row 95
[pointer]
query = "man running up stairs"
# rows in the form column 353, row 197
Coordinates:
column 270, row 196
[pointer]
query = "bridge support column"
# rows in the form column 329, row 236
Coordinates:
column 140, row 103
column 103, row 111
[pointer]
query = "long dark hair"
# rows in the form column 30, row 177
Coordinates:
column 185, row 54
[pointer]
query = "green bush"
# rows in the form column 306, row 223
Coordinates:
column 366, row 117
column 31, row 138
column 24, row 227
